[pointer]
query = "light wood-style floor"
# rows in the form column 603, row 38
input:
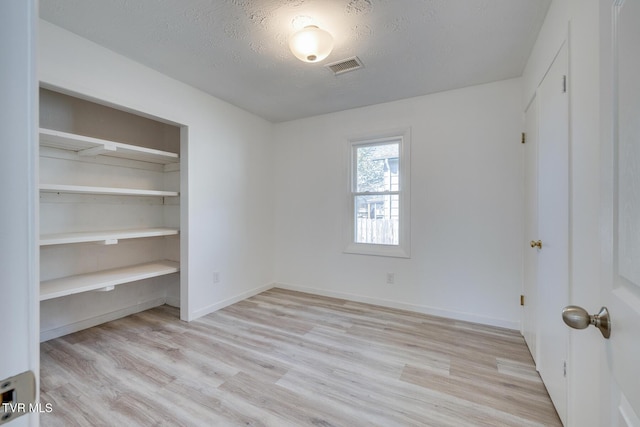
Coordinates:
column 285, row 358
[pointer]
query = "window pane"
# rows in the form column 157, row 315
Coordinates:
column 377, row 167
column 377, row 219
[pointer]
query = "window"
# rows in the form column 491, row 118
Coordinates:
column 378, row 206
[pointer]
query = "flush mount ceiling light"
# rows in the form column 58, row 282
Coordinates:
column 311, row 44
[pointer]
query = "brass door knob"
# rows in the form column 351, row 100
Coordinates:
column 536, row 244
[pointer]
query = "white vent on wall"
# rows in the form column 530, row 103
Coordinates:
column 345, row 65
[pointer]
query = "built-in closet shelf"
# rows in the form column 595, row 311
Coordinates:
column 106, row 237
column 105, row 280
column 82, row 189
column 88, row 146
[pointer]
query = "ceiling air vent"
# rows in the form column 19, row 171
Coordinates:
column 345, row 65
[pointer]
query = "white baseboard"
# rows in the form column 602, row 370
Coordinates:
column 94, row 321
column 173, row 301
column 449, row 314
column 222, row 304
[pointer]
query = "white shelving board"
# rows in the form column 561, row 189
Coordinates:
column 106, row 237
column 82, row 189
column 105, row 279
column 88, row 146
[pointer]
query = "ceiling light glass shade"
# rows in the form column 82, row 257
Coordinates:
column 311, row 44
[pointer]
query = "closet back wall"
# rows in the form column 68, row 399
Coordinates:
column 466, row 197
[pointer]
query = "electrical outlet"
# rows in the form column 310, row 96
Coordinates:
column 216, row 277
column 391, row 278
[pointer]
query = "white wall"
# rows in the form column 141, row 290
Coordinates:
column 227, row 188
column 579, row 20
column 18, row 210
column 466, row 218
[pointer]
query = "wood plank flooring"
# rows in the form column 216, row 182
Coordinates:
column 284, row 358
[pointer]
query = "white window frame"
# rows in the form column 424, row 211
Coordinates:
column 403, row 248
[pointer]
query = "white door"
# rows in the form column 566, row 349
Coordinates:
column 19, row 351
column 531, row 228
column 553, row 230
column 621, row 208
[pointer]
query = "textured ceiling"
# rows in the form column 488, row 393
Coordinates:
column 237, row 50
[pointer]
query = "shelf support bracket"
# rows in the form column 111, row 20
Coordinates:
column 108, row 242
column 96, row 151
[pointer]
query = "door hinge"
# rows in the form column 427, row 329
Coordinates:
column 564, row 84
column 564, row 368
column 521, row 299
column 524, row 137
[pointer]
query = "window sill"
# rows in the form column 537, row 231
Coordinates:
column 393, row 251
